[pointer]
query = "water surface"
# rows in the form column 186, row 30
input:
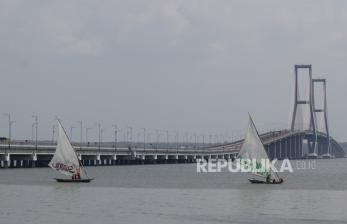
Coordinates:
column 174, row 194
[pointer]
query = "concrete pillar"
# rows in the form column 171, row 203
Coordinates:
column 7, row 160
column 114, row 159
column 34, row 160
column 98, row 160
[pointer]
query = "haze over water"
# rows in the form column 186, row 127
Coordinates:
column 174, row 194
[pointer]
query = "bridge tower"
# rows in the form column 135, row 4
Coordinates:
column 310, row 102
column 324, row 110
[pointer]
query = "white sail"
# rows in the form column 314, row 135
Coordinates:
column 253, row 149
column 65, row 159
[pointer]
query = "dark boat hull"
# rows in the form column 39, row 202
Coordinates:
column 255, row 181
column 74, row 180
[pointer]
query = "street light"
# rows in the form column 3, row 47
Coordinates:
column 99, row 127
column 32, row 132
column 149, row 139
column 196, row 140
column 36, row 127
column 157, row 138
column 203, row 141
column 101, row 133
column 131, row 137
column 167, row 140
column 54, row 126
column 144, row 138
column 177, row 139
column 115, row 137
column 10, row 122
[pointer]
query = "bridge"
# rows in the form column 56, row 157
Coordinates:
column 300, row 140
column 304, row 138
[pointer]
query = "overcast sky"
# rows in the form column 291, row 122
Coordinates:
column 192, row 66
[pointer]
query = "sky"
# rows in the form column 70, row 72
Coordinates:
column 193, row 66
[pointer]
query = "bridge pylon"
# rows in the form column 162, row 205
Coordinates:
column 323, row 109
column 310, row 102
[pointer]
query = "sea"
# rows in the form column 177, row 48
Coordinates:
column 315, row 192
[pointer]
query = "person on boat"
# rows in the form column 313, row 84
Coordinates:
column 78, row 174
column 268, row 178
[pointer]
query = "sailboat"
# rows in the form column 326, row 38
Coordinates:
column 253, row 150
column 65, row 160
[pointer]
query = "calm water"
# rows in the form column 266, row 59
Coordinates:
column 174, row 194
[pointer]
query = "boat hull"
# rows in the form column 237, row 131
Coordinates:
column 74, row 180
column 255, row 181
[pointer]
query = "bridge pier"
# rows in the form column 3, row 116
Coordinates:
column 7, row 161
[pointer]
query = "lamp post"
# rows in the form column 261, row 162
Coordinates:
column 149, row 139
column 130, row 137
column 32, row 132
column 144, row 138
column 36, row 127
column 196, row 140
column 115, row 137
column 101, row 135
column 167, row 140
column 53, row 127
column 177, row 139
column 10, row 122
column 186, row 135
column 157, row 138
column 99, row 127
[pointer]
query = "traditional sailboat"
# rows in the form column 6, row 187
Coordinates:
column 65, row 160
column 253, row 150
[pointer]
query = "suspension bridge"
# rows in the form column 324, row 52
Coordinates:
column 303, row 139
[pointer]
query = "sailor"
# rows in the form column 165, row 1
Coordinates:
column 78, row 174
column 268, row 178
